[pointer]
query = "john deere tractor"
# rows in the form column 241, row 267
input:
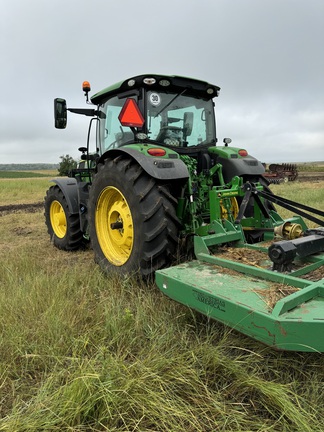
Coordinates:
column 155, row 195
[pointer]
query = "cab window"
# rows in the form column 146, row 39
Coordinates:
column 112, row 133
column 180, row 120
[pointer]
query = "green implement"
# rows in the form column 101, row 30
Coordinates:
column 285, row 311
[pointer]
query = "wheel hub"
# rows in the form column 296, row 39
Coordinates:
column 58, row 219
column 114, row 226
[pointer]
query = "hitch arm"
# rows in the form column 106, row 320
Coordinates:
column 293, row 206
column 249, row 189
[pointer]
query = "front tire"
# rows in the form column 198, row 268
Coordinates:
column 62, row 226
column 133, row 225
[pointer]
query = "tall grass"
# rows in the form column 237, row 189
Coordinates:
column 80, row 351
column 308, row 193
column 311, row 166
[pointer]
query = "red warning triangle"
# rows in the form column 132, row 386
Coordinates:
column 130, row 115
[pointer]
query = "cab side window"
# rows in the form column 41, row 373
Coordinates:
column 113, row 134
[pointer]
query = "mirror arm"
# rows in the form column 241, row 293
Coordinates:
column 84, row 111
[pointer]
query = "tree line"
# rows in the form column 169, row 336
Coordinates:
column 64, row 167
column 28, row 167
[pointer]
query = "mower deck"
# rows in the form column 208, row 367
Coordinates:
column 285, row 311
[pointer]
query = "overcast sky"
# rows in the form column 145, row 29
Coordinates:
column 266, row 55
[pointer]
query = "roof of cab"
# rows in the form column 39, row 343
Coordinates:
column 177, row 84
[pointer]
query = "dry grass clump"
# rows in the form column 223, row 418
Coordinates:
column 275, row 293
column 252, row 257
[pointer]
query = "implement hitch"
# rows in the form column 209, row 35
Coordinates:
column 284, row 252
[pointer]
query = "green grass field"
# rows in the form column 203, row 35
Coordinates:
column 82, row 351
column 21, row 189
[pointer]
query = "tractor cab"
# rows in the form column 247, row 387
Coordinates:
column 167, row 119
column 172, row 112
column 157, row 110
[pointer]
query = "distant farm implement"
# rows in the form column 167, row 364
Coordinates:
column 281, row 173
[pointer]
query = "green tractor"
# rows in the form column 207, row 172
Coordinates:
column 158, row 197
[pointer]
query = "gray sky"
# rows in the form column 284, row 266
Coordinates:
column 266, row 55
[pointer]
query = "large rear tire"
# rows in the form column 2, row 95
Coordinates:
column 62, row 226
column 132, row 219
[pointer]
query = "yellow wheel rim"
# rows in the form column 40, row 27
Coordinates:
column 114, row 226
column 232, row 208
column 58, row 219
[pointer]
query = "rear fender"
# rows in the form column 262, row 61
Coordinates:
column 248, row 166
column 69, row 188
column 235, row 165
column 158, row 168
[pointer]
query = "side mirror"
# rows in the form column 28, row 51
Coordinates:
column 187, row 124
column 60, row 113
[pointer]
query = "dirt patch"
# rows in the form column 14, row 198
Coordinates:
column 309, row 176
column 22, row 231
column 17, row 208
